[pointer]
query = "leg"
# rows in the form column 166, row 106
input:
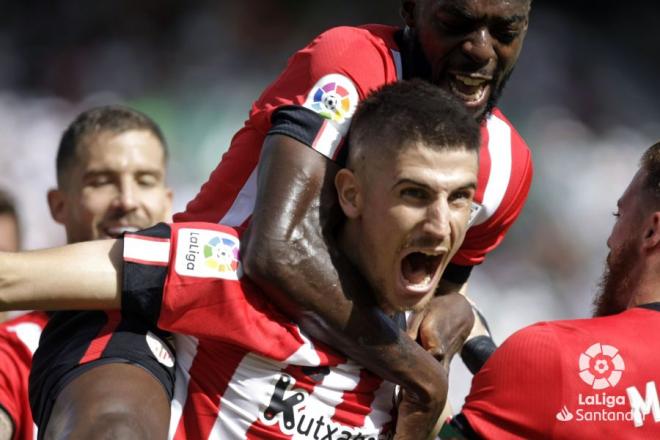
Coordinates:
column 103, row 376
column 110, row 402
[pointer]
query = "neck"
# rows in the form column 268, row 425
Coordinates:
column 648, row 290
column 348, row 242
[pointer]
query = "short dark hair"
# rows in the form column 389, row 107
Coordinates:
column 651, row 165
column 407, row 112
column 109, row 118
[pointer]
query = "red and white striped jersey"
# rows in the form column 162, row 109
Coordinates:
column 324, row 82
column 245, row 371
column 19, row 338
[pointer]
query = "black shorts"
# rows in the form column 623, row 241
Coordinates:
column 74, row 342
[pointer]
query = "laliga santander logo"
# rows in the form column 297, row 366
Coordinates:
column 221, row 254
column 601, row 366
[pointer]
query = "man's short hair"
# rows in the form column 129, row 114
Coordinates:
column 111, row 118
column 407, row 112
column 651, row 165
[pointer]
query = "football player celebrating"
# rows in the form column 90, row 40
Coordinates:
column 406, row 198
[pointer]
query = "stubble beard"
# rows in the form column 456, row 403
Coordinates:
column 618, row 283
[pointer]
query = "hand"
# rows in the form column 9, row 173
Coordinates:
column 417, row 420
column 443, row 326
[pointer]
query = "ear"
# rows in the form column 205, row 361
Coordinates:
column 408, row 12
column 348, row 192
column 651, row 238
column 57, row 205
column 168, row 199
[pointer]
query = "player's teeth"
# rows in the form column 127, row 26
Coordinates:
column 425, row 282
column 122, row 229
column 472, row 97
column 469, row 81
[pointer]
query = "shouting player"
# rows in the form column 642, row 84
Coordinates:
column 466, row 48
column 110, row 179
column 406, row 198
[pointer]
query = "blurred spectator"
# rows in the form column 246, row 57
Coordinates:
column 10, row 231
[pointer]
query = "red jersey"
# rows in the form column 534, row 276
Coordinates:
column 579, row 379
column 19, row 339
column 245, row 371
column 326, row 79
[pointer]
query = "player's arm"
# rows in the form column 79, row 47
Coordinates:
column 81, row 276
column 478, row 345
column 289, row 249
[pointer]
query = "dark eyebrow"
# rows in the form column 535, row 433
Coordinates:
column 513, row 19
column 470, row 185
column 411, row 182
column 457, row 10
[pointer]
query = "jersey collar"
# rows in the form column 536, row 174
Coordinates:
column 651, row 306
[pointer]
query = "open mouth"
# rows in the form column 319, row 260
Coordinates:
column 472, row 90
column 117, row 231
column 420, row 270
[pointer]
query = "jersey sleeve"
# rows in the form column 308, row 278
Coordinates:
column 187, row 278
column 518, row 391
column 322, row 85
column 507, row 162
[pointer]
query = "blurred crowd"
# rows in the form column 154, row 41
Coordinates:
column 583, row 96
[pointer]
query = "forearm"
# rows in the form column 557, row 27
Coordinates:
column 74, row 277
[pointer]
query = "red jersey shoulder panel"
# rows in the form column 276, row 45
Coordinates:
column 505, row 177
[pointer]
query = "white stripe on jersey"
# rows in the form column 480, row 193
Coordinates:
column 327, row 140
column 143, row 249
column 248, row 394
column 381, row 408
column 396, row 57
column 28, row 333
column 330, row 392
column 186, row 350
column 243, row 205
column 499, row 149
column 305, row 355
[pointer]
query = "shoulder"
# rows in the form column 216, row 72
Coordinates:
column 355, row 37
column 359, row 53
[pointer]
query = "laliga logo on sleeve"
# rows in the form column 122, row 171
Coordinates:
column 601, row 366
column 208, row 254
column 334, row 97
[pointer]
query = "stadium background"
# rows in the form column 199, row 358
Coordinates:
column 585, row 97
